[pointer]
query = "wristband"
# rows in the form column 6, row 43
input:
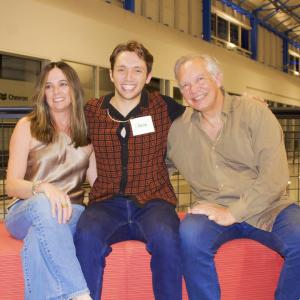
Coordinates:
column 35, row 186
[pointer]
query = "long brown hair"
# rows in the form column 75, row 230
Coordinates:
column 42, row 125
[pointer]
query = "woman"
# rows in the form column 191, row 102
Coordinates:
column 49, row 159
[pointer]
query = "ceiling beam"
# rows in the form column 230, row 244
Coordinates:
column 253, row 15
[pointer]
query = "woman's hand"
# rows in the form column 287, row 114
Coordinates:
column 59, row 201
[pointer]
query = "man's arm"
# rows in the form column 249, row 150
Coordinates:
column 174, row 109
column 271, row 163
column 270, row 159
column 170, row 165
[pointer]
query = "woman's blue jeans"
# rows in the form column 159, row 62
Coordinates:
column 118, row 219
column 51, row 269
column 201, row 238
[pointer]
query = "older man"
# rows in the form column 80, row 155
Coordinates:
column 231, row 152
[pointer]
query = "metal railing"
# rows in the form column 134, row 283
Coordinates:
column 8, row 118
column 289, row 119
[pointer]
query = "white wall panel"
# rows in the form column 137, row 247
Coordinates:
column 195, row 19
column 279, row 53
column 151, row 9
column 272, row 49
column 114, row 2
column 267, row 47
column 182, row 15
column 167, row 12
column 260, row 44
column 138, row 7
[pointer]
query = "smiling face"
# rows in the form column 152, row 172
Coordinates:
column 200, row 89
column 57, row 91
column 129, row 76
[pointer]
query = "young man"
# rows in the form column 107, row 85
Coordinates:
column 132, row 197
column 231, row 152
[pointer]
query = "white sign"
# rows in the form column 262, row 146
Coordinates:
column 142, row 125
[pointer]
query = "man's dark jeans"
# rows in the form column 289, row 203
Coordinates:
column 201, row 238
column 118, row 219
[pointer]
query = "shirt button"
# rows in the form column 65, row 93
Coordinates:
column 217, row 166
column 213, row 147
column 221, row 185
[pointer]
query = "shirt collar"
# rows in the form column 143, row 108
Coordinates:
column 144, row 102
column 227, row 108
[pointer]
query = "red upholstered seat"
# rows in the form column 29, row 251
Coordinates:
column 127, row 274
column 11, row 278
column 247, row 270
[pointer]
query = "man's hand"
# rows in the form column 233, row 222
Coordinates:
column 256, row 97
column 215, row 212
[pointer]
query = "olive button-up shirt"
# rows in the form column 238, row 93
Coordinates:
column 245, row 168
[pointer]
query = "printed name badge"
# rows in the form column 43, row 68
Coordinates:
column 142, row 125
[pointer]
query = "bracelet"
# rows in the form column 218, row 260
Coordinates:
column 35, row 186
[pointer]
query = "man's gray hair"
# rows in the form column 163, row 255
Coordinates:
column 212, row 65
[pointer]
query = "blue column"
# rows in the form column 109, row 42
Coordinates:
column 129, row 5
column 285, row 55
column 253, row 39
column 206, row 20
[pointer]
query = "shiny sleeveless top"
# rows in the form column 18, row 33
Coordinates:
column 61, row 164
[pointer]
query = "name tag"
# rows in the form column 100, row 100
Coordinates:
column 142, row 125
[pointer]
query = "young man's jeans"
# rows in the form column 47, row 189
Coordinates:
column 51, row 269
column 156, row 223
column 200, row 239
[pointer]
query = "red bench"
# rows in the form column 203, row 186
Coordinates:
column 247, row 271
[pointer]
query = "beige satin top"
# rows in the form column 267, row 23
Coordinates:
column 61, row 164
